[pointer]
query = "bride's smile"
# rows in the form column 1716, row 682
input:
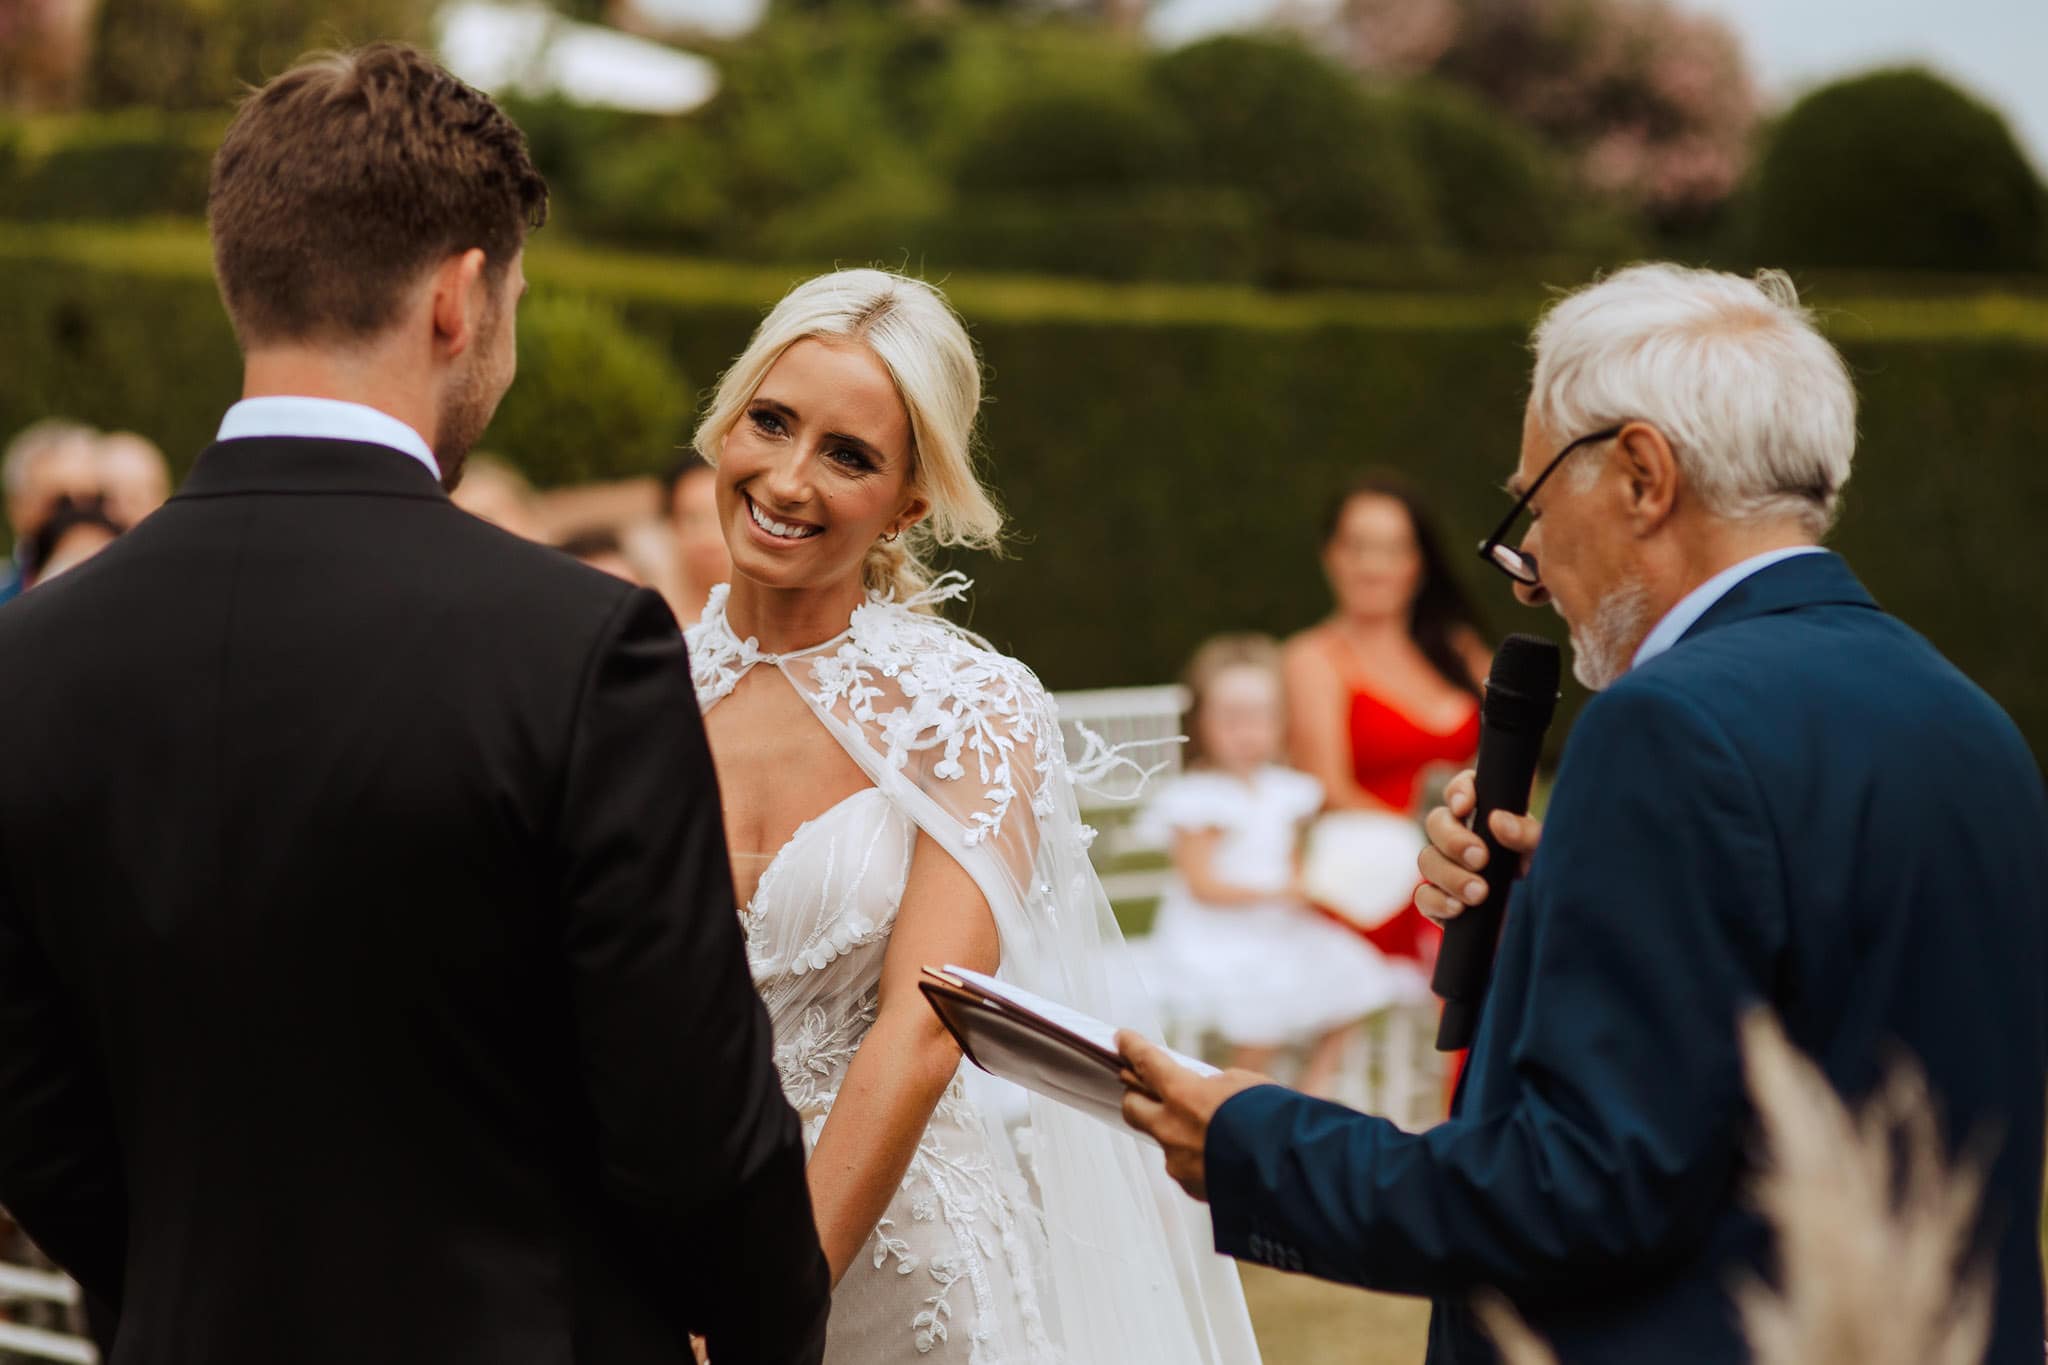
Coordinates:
column 779, row 529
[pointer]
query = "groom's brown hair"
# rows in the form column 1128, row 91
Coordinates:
column 342, row 179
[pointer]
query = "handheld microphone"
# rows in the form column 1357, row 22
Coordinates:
column 1520, row 698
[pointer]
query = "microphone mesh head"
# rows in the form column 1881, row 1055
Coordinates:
column 1526, row 671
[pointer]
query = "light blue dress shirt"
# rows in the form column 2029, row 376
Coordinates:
column 1695, row 604
column 325, row 419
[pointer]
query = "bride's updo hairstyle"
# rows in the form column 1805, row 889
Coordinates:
column 914, row 331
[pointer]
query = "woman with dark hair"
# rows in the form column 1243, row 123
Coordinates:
column 77, row 529
column 1387, row 688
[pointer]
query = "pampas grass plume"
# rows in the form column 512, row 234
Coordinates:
column 1873, row 1225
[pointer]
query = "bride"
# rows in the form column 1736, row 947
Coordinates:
column 896, row 794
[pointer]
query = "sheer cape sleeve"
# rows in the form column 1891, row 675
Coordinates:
column 967, row 742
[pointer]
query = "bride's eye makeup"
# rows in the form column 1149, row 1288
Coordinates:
column 767, row 421
column 852, row 459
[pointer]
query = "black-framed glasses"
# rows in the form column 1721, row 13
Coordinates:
column 1496, row 551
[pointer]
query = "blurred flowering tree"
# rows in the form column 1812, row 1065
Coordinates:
column 42, row 51
column 1654, row 104
column 201, row 54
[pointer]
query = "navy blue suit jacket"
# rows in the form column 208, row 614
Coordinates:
column 1801, row 804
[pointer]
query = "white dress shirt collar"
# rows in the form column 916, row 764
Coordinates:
column 325, row 419
column 1696, row 603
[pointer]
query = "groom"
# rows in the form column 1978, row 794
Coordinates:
column 370, row 985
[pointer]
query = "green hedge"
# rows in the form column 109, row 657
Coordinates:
column 1165, row 452
column 1898, row 170
column 139, row 164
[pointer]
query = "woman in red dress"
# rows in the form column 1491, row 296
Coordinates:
column 1386, row 690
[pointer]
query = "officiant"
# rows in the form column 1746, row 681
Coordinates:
column 1781, row 795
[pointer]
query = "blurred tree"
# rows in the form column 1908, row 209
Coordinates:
column 1401, row 37
column 42, row 52
column 1655, row 105
column 140, row 163
column 1494, row 186
column 593, row 401
column 1297, row 133
column 1898, row 169
column 851, row 125
column 1053, row 141
column 665, row 187
column 199, row 54
column 1093, row 180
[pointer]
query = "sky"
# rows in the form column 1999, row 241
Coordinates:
column 1998, row 49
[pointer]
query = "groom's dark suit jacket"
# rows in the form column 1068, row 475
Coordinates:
column 370, row 985
column 1800, row 805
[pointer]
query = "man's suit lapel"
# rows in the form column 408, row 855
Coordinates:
column 1801, row 581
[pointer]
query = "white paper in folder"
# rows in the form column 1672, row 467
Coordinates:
column 1034, row 1042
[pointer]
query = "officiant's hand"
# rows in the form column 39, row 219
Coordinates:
column 1455, row 853
column 1179, row 1119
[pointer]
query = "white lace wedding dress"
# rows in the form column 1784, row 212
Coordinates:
column 1057, row 1239
column 946, row 1273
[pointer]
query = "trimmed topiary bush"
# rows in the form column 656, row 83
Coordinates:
column 1299, row 136
column 1897, row 170
column 663, row 188
column 200, row 54
column 592, row 400
column 119, row 177
column 1492, row 185
column 1091, row 180
column 137, row 164
column 1165, row 233
column 1064, row 141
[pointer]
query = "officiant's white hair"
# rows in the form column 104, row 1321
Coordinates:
column 1758, row 407
column 916, row 334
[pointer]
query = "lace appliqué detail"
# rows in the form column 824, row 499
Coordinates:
column 959, row 697
column 718, row 658
column 962, row 1190
column 812, row 1057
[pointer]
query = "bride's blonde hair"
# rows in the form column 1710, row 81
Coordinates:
column 916, row 334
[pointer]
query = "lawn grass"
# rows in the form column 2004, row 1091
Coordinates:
column 1303, row 1321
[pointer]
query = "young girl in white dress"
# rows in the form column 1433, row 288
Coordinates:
column 1235, row 948
column 896, row 795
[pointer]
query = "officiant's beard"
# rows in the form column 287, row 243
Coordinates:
column 1603, row 648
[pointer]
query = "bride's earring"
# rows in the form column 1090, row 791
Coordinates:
column 891, row 536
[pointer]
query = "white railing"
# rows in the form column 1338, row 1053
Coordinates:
column 50, row 1301
column 1390, row 1067
column 1148, row 721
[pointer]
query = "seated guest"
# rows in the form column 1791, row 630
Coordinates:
column 689, row 500
column 46, row 462
column 133, row 476
column 1385, row 691
column 498, row 493
column 75, row 531
column 1782, row 796
column 1234, row 948
column 601, row 548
